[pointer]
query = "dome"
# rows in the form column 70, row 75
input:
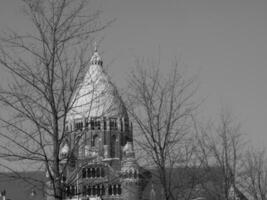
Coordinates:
column 97, row 96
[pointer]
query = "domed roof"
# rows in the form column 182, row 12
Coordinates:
column 97, row 96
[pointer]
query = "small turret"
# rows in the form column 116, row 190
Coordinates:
column 130, row 174
column 64, row 151
column 152, row 195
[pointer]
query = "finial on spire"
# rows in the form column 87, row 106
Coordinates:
column 95, row 46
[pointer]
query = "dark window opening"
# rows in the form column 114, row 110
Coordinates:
column 86, row 124
column 84, row 190
column 102, row 190
column 126, row 123
column 102, row 172
column 98, row 190
column 113, row 124
column 95, row 124
column 105, row 124
column 79, row 126
column 109, row 190
column 93, row 172
column 115, row 187
column 89, row 190
column 119, row 189
column 98, row 172
column 89, row 173
column 84, row 173
column 94, row 190
column 113, row 146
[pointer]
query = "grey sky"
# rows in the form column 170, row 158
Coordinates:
column 225, row 41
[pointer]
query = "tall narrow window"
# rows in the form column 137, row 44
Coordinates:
column 98, row 192
column 97, row 172
column 84, row 172
column 89, row 172
column 102, row 190
column 126, row 123
column 86, row 124
column 105, row 124
column 102, row 172
column 97, row 124
column 115, row 187
column 92, row 123
column 93, row 172
column 119, row 189
column 113, row 146
column 89, row 190
column 109, row 190
column 84, row 190
column 94, row 190
column 113, row 124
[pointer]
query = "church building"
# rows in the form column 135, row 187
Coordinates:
column 98, row 155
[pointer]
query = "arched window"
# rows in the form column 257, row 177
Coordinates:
column 135, row 174
column 67, row 189
column 89, row 190
column 115, row 189
column 113, row 124
column 113, row 146
column 93, row 172
column 84, row 172
column 98, row 192
column 109, row 190
column 97, row 172
column 119, row 189
column 94, row 190
column 89, row 173
column 102, row 190
column 84, row 190
column 105, row 124
column 102, row 172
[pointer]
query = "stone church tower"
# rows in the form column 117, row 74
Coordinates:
column 102, row 161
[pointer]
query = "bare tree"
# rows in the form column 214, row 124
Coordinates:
column 161, row 107
column 254, row 179
column 220, row 149
column 45, row 68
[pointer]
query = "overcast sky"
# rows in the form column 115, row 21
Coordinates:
column 224, row 41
